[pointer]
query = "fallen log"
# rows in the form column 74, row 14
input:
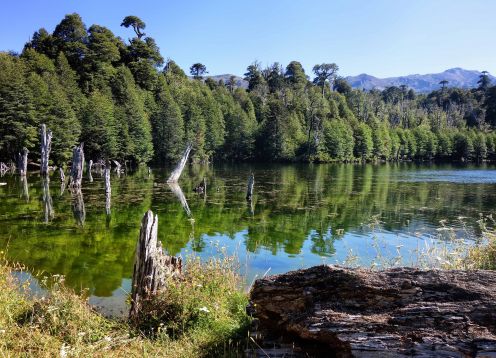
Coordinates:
column 151, row 265
column 336, row 311
column 176, row 173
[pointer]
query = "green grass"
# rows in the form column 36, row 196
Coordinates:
column 201, row 315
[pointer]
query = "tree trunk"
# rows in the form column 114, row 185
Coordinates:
column 23, row 161
column 151, row 265
column 77, row 167
column 392, row 313
column 249, row 190
column 176, row 173
column 46, row 146
column 117, row 167
column 25, row 188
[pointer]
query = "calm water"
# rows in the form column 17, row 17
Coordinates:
column 301, row 215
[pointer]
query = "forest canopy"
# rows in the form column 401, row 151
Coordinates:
column 125, row 102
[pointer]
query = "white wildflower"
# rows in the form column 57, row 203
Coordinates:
column 204, row 309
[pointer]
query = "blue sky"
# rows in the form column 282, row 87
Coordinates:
column 379, row 37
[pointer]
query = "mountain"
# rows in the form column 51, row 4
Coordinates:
column 457, row 77
column 240, row 82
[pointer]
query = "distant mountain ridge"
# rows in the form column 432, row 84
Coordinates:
column 456, row 77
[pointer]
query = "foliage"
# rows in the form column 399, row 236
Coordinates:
column 88, row 85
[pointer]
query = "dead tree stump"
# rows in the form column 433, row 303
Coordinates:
column 400, row 312
column 176, row 173
column 46, row 147
column 77, row 167
column 23, row 162
column 78, row 208
column 152, row 266
column 249, row 190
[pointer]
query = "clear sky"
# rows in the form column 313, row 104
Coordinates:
column 378, row 37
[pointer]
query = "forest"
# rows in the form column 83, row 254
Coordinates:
column 126, row 102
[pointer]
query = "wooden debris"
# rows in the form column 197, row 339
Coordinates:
column 46, row 147
column 176, row 173
column 392, row 313
column 77, row 167
column 202, row 187
column 152, row 266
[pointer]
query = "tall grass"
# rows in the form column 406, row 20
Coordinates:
column 201, row 315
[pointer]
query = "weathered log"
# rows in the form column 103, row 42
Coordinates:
column 152, row 266
column 47, row 199
column 77, row 166
column 392, row 313
column 249, row 190
column 23, row 161
column 46, row 147
column 78, row 208
column 178, row 192
column 176, row 173
column 108, row 189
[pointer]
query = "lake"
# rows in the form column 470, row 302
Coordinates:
column 301, row 215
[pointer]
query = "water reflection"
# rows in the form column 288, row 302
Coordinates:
column 299, row 215
column 47, row 199
column 78, row 208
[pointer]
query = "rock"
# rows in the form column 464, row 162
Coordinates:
column 400, row 312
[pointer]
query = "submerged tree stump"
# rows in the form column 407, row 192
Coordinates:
column 176, row 173
column 77, row 167
column 335, row 311
column 249, row 189
column 23, row 162
column 89, row 169
column 47, row 199
column 152, row 266
column 46, row 147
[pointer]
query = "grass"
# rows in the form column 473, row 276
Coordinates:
column 201, row 315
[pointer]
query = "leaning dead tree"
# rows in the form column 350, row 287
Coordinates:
column 249, row 189
column 152, row 266
column 176, row 173
column 46, row 147
column 77, row 167
column 23, row 161
column 399, row 312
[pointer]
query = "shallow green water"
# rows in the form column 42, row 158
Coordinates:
column 302, row 215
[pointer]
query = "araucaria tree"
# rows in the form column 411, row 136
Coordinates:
column 116, row 96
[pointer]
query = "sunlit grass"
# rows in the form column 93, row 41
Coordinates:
column 201, row 315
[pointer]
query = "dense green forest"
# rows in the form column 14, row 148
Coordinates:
column 125, row 102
